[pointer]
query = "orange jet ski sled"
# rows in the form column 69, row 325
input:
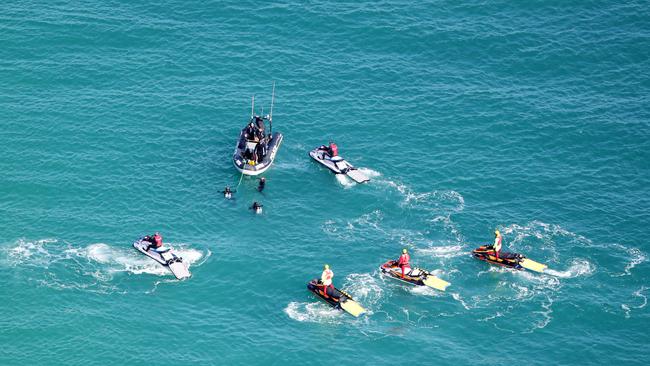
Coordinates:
column 414, row 276
column 506, row 259
column 337, row 298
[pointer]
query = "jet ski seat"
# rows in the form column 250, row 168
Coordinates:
column 415, row 272
column 335, row 293
column 508, row 255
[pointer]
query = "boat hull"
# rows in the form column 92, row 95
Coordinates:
column 245, row 166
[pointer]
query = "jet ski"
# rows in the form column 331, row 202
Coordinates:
column 256, row 147
column 337, row 298
column 511, row 260
column 168, row 259
column 337, row 164
column 414, row 276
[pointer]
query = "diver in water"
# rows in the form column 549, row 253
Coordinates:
column 227, row 192
column 326, row 280
column 403, row 261
column 262, row 184
column 155, row 242
column 256, row 207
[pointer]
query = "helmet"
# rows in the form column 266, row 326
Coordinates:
column 404, row 251
column 497, row 232
column 327, row 266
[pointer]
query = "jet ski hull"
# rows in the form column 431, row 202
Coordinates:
column 509, row 260
column 338, row 165
column 246, row 166
column 415, row 276
column 336, row 298
column 168, row 259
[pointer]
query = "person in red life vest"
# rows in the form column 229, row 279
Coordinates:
column 403, row 261
column 156, row 243
column 496, row 247
column 333, row 150
column 326, row 279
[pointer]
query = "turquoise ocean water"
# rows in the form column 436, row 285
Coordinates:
column 120, row 118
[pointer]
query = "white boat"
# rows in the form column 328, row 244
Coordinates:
column 256, row 147
column 337, row 164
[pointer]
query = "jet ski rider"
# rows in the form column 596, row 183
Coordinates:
column 496, row 247
column 403, row 261
column 333, row 150
column 326, row 279
column 156, row 242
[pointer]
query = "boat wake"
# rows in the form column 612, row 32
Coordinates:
column 578, row 267
column 365, row 288
column 643, row 302
column 345, row 181
column 313, row 312
column 449, row 251
column 95, row 267
column 124, row 260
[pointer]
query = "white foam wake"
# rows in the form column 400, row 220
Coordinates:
column 345, row 181
column 636, row 257
column 121, row 260
column 315, row 312
column 578, row 267
column 370, row 173
column 364, row 288
column 644, row 301
column 449, row 251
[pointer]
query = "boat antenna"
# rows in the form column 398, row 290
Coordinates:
column 253, row 106
column 271, row 113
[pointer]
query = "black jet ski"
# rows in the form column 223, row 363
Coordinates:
column 506, row 259
column 337, row 298
column 256, row 147
column 337, row 164
column 168, row 258
column 414, row 276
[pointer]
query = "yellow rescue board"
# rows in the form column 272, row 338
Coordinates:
column 435, row 282
column 532, row 265
column 352, row 307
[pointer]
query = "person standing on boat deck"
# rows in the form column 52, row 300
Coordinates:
column 326, row 279
column 260, row 150
column 259, row 122
column 403, row 261
column 496, row 247
column 251, row 132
